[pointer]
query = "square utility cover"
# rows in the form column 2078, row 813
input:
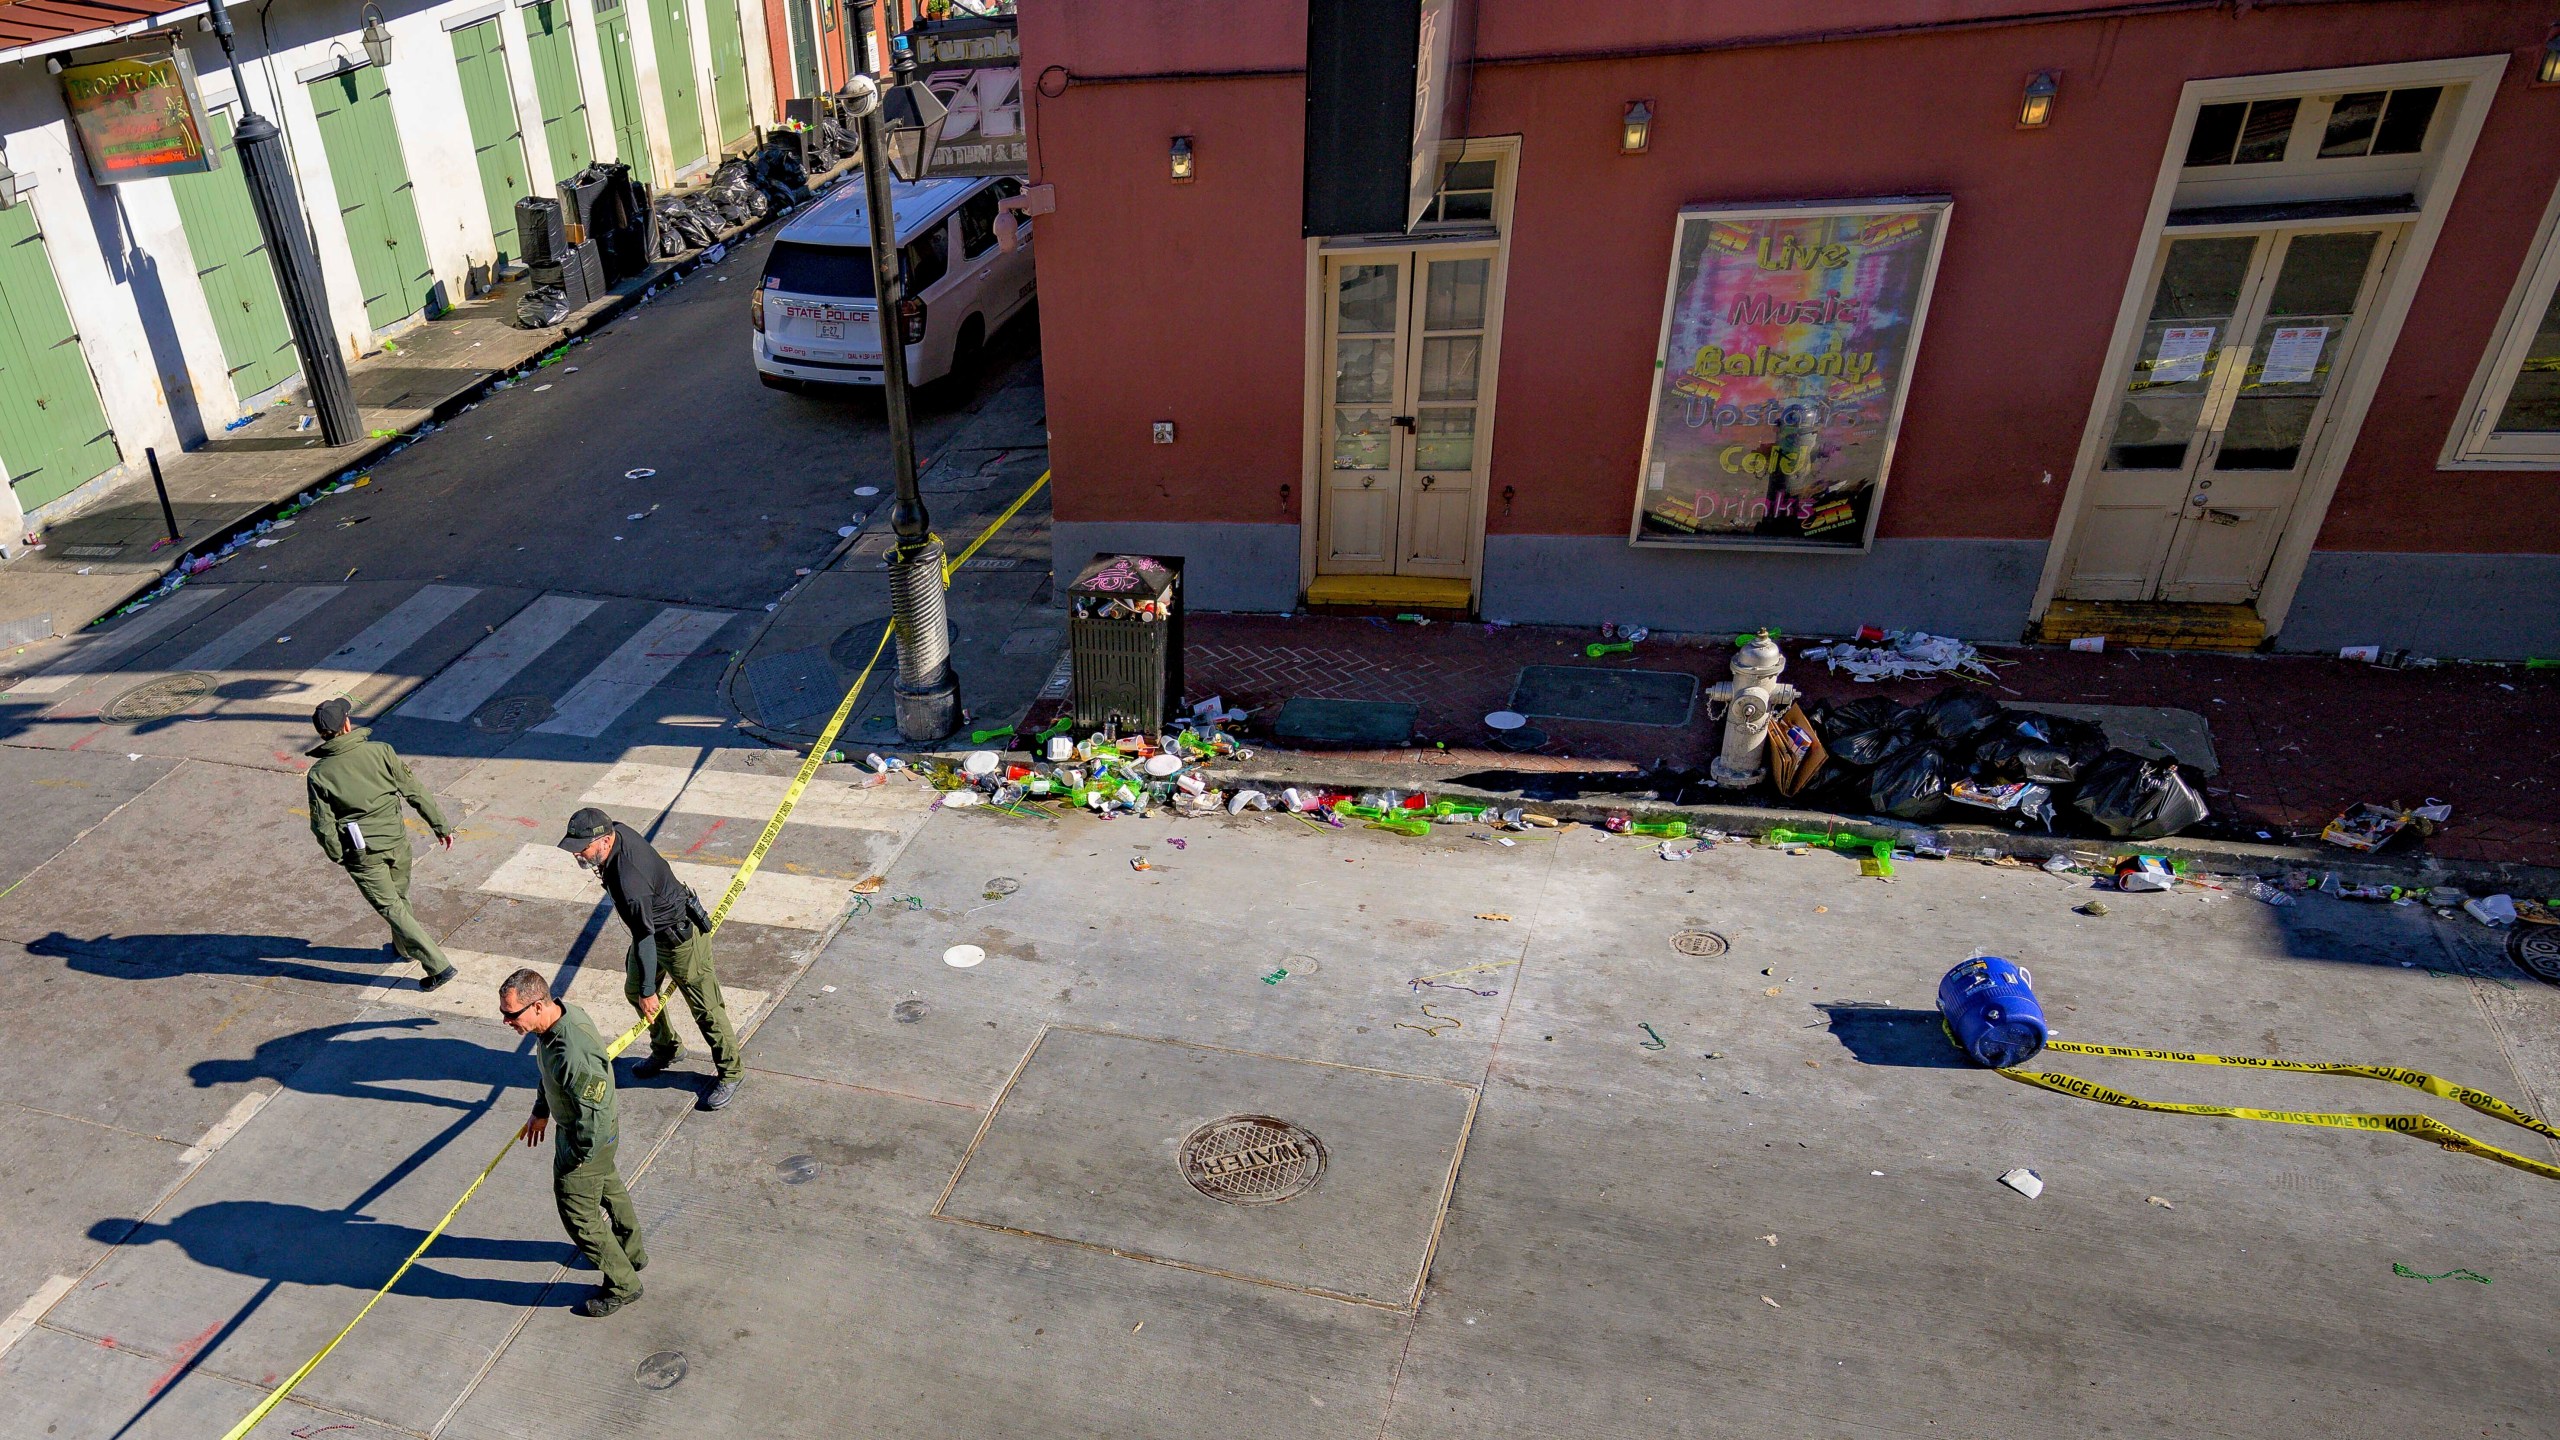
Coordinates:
column 1326, row 1179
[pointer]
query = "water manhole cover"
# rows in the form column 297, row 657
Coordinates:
column 510, row 713
column 662, row 1370
column 1252, row 1160
column 159, row 699
column 2537, row 949
column 1705, row 944
column 798, row 1170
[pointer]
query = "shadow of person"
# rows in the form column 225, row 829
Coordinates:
column 165, row 957
column 302, row 1245
column 371, row 1060
column 1881, row 1035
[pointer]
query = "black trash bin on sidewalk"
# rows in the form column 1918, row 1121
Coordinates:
column 1124, row 643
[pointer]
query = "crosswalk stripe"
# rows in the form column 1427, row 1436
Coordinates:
column 790, row 902
column 466, row 684
column 92, row 654
column 644, row 660
column 596, row 986
column 226, row 650
column 634, row 789
column 379, row 643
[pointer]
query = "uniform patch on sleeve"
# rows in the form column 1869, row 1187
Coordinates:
column 596, row 1090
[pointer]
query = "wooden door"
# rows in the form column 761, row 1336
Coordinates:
column 232, row 268
column 622, row 90
column 1368, row 307
column 557, row 86
column 54, row 436
column 375, row 197
column 497, row 137
column 671, row 23
column 728, row 42
column 1442, row 405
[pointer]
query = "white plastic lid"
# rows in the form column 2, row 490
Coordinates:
column 961, row 799
column 979, row 762
column 963, row 957
column 1163, row 765
column 1505, row 720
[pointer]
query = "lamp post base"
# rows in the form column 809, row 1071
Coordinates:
column 929, row 714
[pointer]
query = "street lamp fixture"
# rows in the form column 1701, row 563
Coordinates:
column 1181, row 160
column 911, row 115
column 1635, row 134
column 2035, row 107
column 375, row 39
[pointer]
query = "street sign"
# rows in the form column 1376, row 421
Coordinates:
column 974, row 67
column 138, row 114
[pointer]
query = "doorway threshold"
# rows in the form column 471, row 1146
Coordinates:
column 2155, row 624
column 1409, row 592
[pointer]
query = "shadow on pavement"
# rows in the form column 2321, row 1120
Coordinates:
column 372, row 1065
column 304, row 1245
column 1881, row 1035
column 164, row 957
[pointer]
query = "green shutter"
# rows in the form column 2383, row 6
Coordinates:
column 669, row 20
column 729, row 71
column 374, row 198
column 804, row 50
column 497, row 139
column 54, row 437
column 555, row 82
column 232, row 268
column 622, row 90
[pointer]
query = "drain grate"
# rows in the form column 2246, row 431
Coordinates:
column 510, row 713
column 1704, row 944
column 158, row 699
column 1252, row 1160
column 2537, row 949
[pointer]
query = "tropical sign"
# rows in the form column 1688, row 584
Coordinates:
column 1788, row 337
column 138, row 115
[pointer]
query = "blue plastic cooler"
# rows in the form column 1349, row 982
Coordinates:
column 1990, row 1007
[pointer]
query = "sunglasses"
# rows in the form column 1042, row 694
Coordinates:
column 509, row 1015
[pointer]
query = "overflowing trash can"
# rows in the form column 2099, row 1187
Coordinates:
column 1124, row 643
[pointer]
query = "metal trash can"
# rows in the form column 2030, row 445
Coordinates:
column 1124, row 643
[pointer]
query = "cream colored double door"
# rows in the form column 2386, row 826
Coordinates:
column 1407, row 378
column 2222, row 409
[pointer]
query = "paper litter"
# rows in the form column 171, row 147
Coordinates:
column 1903, row 655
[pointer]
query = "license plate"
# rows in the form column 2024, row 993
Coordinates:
column 830, row 329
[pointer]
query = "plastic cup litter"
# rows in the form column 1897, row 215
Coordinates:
column 964, row 957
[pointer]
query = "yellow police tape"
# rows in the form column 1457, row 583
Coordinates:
column 737, row 886
column 2422, row 1126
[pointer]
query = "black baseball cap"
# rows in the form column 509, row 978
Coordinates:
column 330, row 716
column 584, row 827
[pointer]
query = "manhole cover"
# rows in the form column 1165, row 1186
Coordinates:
column 159, row 699
column 510, row 713
column 662, row 1370
column 2537, row 949
column 1252, row 1160
column 1705, row 944
column 797, row 1170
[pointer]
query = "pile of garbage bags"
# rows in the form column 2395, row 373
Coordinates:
column 1962, row 750
column 741, row 192
column 542, row 305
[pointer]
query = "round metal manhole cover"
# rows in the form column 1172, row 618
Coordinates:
column 1704, row 944
column 159, row 699
column 661, row 1371
column 1252, row 1160
column 2537, row 949
column 798, row 1169
column 511, row 713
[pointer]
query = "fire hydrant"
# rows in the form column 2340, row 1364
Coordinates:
column 1749, row 699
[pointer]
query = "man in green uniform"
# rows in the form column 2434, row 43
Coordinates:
column 670, row 934
column 356, row 786
column 577, row 1090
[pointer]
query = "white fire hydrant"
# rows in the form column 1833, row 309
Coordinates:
column 1749, row 699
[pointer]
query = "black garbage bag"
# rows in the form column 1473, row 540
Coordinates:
column 1912, row 784
column 2132, row 798
column 542, row 306
column 1955, row 714
column 1863, row 733
column 2047, row 749
column 777, row 170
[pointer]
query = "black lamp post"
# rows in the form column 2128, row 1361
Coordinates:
column 260, row 146
column 900, row 123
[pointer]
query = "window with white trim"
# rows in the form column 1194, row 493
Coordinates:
column 2514, row 417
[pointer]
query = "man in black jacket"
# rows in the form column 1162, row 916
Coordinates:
column 670, row 935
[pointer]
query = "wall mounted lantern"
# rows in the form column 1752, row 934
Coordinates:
column 375, row 38
column 2548, row 72
column 1181, row 160
column 1635, row 134
column 2035, row 108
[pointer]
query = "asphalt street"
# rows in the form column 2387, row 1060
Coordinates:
column 1241, row 1125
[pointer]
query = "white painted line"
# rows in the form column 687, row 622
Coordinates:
column 91, row 655
column 792, row 902
column 380, row 643
column 258, row 629
column 632, row 671
column 468, row 683
column 24, row 1318
column 228, row 1126
column 636, row 790
column 596, row 987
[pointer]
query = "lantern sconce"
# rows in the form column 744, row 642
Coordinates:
column 375, row 38
column 12, row 190
column 1181, row 160
column 1635, row 134
column 2548, row 72
column 2035, row 107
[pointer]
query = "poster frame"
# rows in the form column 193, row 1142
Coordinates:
column 1943, row 208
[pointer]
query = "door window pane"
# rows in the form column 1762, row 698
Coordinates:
column 2533, row 403
column 1364, row 372
column 1366, row 301
column 2265, row 433
column 2351, row 123
column 978, row 223
column 2289, row 364
column 2322, row 273
column 2217, row 132
column 1360, row 438
column 1445, row 438
column 2269, row 127
column 1453, row 297
column 2404, row 123
column 1449, row 367
column 2190, row 316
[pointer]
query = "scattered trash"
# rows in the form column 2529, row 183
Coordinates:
column 1493, row 915
column 2494, row 911
column 1140, row 865
column 1774, row 1305
column 2366, row 653
column 2026, row 1182
column 963, row 957
column 1275, row 977
column 866, row 491
column 1903, row 655
column 2368, row 827
column 642, row 473
column 1505, row 720
column 2145, row 874
column 1445, row 1022
column 2156, row 1200
column 1655, row 1042
column 845, row 532
column 2092, row 908
column 2406, row 1273
column 2090, row 644
column 1989, row 1005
